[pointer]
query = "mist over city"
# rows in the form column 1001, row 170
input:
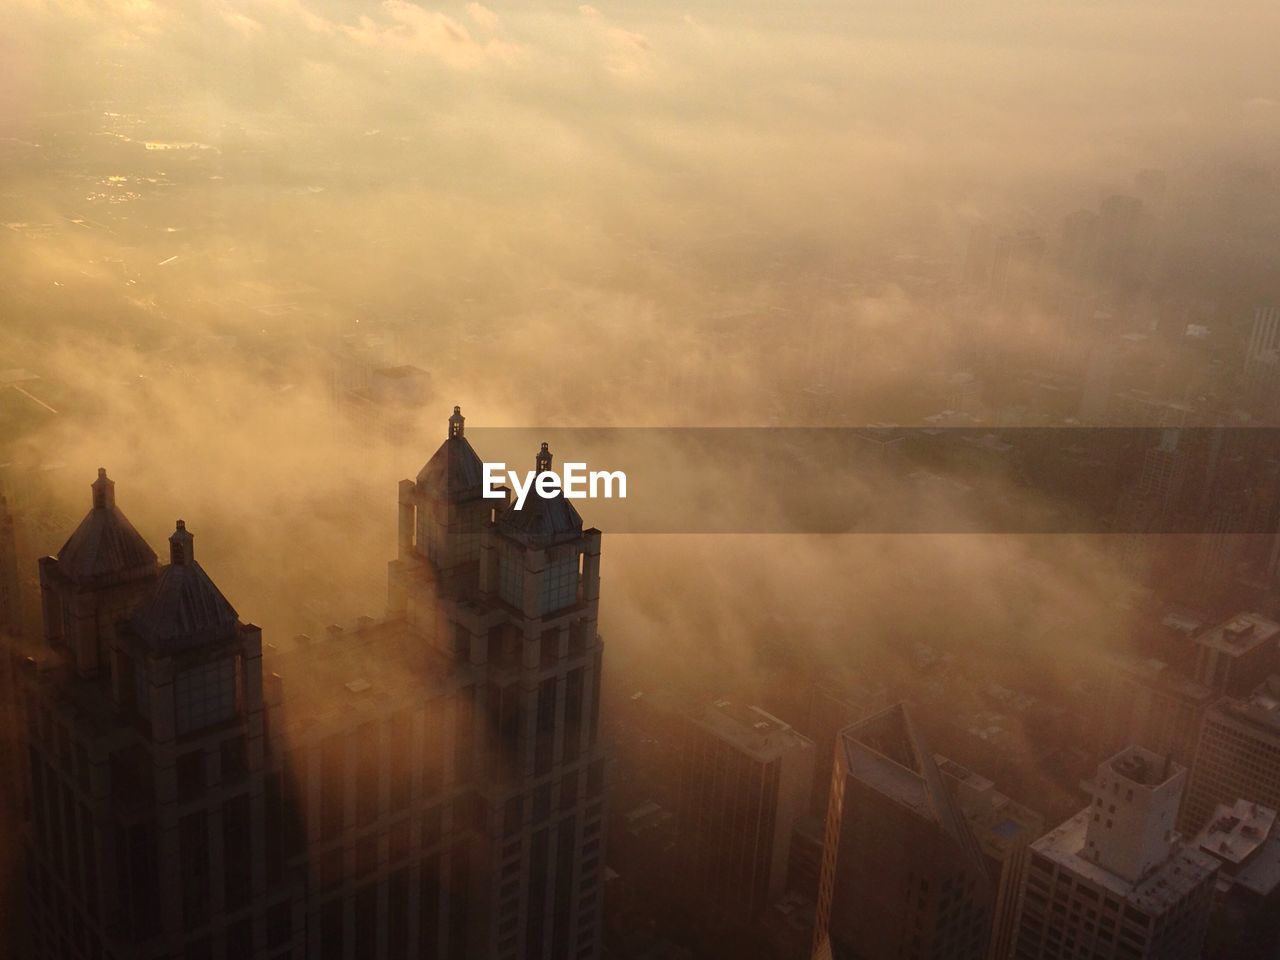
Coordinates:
column 278, row 276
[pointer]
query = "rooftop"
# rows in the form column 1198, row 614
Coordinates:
column 185, row 608
column 996, row 820
column 1237, row 831
column 1185, row 869
column 751, row 729
column 1241, row 634
column 885, row 753
column 364, row 669
column 1262, row 708
column 542, row 521
column 454, row 470
column 1142, row 767
column 105, row 546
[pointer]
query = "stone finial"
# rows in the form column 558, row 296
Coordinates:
column 181, row 545
column 104, row 491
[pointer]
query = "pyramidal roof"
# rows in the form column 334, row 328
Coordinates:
column 105, row 548
column 185, row 609
column 542, row 521
column 454, row 470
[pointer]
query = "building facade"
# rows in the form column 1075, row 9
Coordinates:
column 427, row 785
column 1237, row 757
column 1116, row 880
column 743, row 783
column 902, row 874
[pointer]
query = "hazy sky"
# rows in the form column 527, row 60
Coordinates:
column 583, row 214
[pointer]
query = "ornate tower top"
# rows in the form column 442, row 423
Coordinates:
column 455, row 423
column 542, row 462
column 104, row 491
column 105, row 547
column 181, row 545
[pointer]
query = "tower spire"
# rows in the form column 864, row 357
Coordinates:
column 455, row 423
column 104, row 491
column 542, row 462
column 181, row 545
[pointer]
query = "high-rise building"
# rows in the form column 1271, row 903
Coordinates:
column 1116, row 880
column 831, row 709
column 744, row 782
column 430, row 785
column 1245, row 925
column 1234, row 657
column 476, row 703
column 148, row 765
column 1237, row 756
column 1152, row 705
column 1262, row 360
column 1004, row 830
column 902, row 875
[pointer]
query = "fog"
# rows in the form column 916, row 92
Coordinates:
column 587, row 215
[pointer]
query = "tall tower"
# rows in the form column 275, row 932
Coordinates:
column 511, row 599
column 902, row 874
column 99, row 575
column 148, row 766
column 744, row 781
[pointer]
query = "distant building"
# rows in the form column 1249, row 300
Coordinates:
column 1262, row 362
column 390, row 406
column 1152, row 705
column 902, row 873
column 1116, row 880
column 743, row 783
column 1234, row 657
column 1246, row 914
column 1238, row 755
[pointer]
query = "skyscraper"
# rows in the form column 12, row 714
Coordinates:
column 1004, row 830
column 744, row 781
column 1262, row 361
column 1245, row 924
column 1116, row 881
column 1237, row 754
column 1235, row 656
column 427, row 785
column 902, row 874
column 148, row 764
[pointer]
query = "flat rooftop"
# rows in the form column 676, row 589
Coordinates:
column 1143, row 767
column 1186, row 869
column 1237, row 831
column 1243, row 836
column 751, row 729
column 1261, row 708
column 1241, row 634
column 367, row 669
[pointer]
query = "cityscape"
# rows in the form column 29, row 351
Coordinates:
column 930, row 358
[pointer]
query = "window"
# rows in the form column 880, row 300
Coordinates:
column 559, row 584
column 141, row 691
column 511, row 575
column 204, row 695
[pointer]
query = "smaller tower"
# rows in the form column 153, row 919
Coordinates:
column 100, row 573
column 1135, row 807
column 441, row 514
